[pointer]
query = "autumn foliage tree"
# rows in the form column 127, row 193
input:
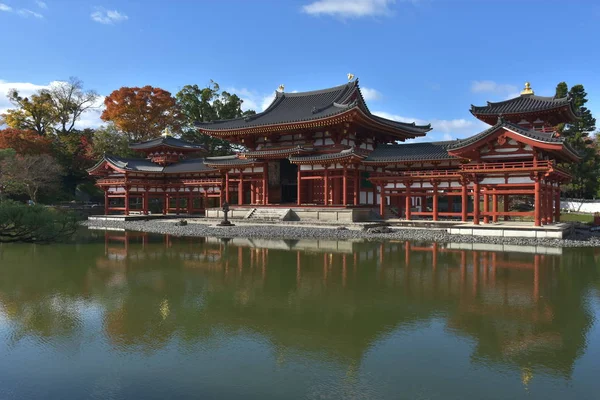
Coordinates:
column 141, row 113
column 24, row 142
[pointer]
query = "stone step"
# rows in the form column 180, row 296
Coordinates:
column 274, row 214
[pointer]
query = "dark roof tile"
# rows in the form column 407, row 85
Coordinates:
column 308, row 106
column 167, row 141
column 409, row 152
column 522, row 104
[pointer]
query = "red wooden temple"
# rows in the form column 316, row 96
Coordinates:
column 326, row 149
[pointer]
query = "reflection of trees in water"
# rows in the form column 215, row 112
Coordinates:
column 522, row 309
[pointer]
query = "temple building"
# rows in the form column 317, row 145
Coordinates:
column 325, row 149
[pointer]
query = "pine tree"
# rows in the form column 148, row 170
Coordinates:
column 586, row 173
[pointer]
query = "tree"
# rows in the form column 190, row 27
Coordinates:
column 28, row 174
column 205, row 105
column 141, row 113
column 108, row 140
column 71, row 101
column 37, row 114
column 24, row 142
column 34, row 224
column 586, row 174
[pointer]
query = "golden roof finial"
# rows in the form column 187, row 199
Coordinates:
column 166, row 132
column 281, row 87
column 350, row 76
column 528, row 89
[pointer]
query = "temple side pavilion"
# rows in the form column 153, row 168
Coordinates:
column 325, row 149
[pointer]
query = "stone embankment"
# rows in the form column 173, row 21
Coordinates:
column 581, row 237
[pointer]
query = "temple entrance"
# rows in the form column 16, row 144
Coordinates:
column 289, row 181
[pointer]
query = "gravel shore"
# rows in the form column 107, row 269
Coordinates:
column 580, row 238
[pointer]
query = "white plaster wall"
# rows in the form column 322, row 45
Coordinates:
column 579, row 206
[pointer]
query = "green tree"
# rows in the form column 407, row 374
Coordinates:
column 109, row 140
column 34, row 224
column 586, row 173
column 205, row 105
column 37, row 113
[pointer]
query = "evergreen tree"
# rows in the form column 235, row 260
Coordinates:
column 586, row 173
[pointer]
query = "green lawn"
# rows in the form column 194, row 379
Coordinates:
column 572, row 217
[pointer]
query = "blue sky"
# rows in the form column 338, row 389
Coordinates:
column 424, row 60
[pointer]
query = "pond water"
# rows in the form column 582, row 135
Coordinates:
column 135, row 316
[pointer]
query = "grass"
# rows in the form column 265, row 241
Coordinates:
column 573, row 217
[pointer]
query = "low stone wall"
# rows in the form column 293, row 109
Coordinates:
column 345, row 215
column 581, row 206
column 513, row 232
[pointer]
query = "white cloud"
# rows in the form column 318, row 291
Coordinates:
column 443, row 129
column 370, row 94
column 349, row 8
column 253, row 100
column 41, row 4
column 28, row 13
column 104, row 16
column 493, row 87
column 89, row 119
column 4, row 7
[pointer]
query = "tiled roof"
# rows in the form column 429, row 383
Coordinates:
column 274, row 152
column 168, row 141
column 308, row 106
column 351, row 152
column 191, row 165
column 232, row 161
column 523, row 104
column 133, row 164
column 409, row 152
column 535, row 135
column 145, row 165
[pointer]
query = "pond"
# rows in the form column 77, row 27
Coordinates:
column 118, row 315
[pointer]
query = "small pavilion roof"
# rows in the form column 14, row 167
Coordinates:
column 525, row 103
column 166, row 141
column 310, row 109
column 542, row 137
column 409, row 152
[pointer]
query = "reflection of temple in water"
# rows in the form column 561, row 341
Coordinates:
column 339, row 298
column 336, row 301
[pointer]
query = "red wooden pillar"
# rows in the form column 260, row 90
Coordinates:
column 557, row 204
column 476, row 197
column 537, row 203
column 435, row 202
column 506, row 205
column 382, row 201
column 241, row 189
column 266, row 184
column 486, row 208
column 464, row 201
column 407, row 201
column 549, row 201
column 106, row 201
column 126, row 200
column 326, row 187
column 299, row 195
column 356, row 187
column 166, row 203
column 177, row 201
column 345, row 186
column 252, row 192
column 145, row 200
column 495, row 207
column 227, row 187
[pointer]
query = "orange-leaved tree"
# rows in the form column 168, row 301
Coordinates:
column 25, row 142
column 142, row 113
